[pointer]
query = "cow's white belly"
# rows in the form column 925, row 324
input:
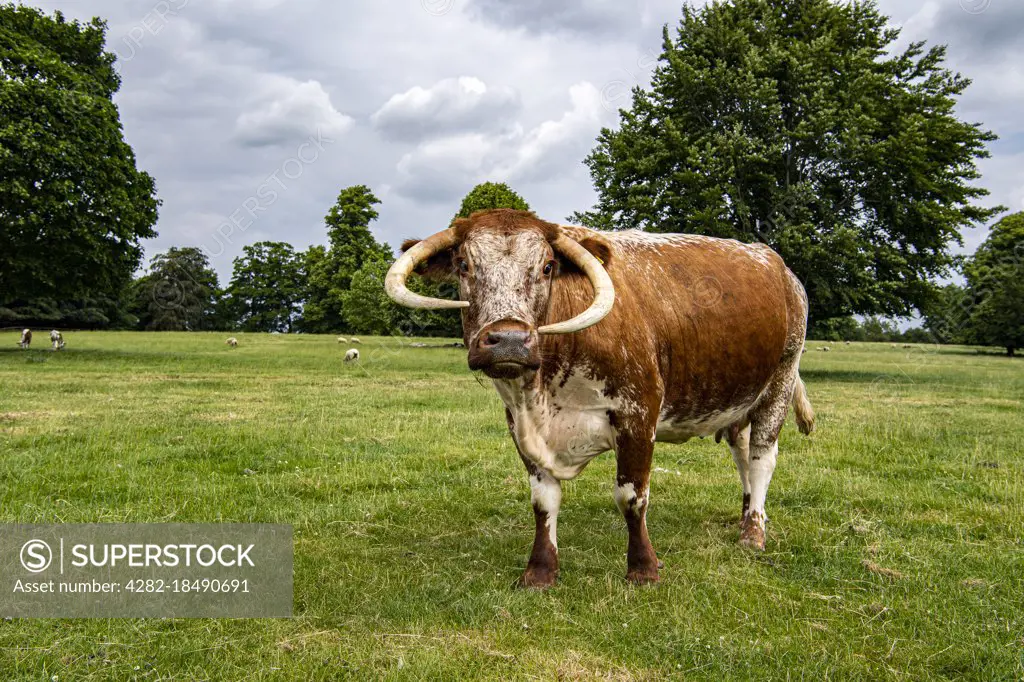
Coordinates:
column 560, row 433
column 680, row 431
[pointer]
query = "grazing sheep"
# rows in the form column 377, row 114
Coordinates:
column 342, row 339
column 892, row 345
column 847, row 343
column 26, row 338
column 907, row 345
column 233, row 342
column 351, row 355
column 355, row 340
column 824, row 349
column 56, row 339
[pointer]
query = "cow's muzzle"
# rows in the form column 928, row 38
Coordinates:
column 505, row 350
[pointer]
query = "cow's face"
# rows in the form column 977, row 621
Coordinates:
column 505, row 266
column 506, row 277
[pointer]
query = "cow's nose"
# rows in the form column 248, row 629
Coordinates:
column 504, row 338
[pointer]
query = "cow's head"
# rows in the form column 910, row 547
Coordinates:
column 505, row 262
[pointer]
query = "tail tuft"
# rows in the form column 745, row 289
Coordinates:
column 802, row 407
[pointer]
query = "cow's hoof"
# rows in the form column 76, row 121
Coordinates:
column 538, row 578
column 643, row 576
column 752, row 532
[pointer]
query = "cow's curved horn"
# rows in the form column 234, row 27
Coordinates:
column 604, row 290
column 394, row 283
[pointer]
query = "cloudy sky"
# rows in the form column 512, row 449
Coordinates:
column 252, row 114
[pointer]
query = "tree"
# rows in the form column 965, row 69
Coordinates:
column 180, row 293
column 351, row 246
column 73, row 205
column 489, row 195
column 266, row 287
column 995, row 278
column 368, row 309
column 947, row 315
column 794, row 123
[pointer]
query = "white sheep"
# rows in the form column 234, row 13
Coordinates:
column 233, row 342
column 342, row 339
column 824, row 349
column 355, row 340
column 352, row 355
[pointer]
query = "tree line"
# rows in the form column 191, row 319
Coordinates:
column 337, row 287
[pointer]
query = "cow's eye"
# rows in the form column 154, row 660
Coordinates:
column 463, row 267
column 549, row 268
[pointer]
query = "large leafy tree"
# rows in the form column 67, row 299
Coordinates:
column 180, row 293
column 73, row 205
column 995, row 277
column 266, row 287
column 351, row 245
column 796, row 123
column 489, row 195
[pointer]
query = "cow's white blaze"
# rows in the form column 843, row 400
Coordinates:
column 508, row 266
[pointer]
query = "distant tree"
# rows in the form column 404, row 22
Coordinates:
column 368, row 309
column 266, row 288
column 489, row 195
column 798, row 123
column 180, row 293
column 995, row 277
column 351, row 245
column 73, row 205
column 947, row 314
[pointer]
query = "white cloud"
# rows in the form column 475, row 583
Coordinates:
column 443, row 169
column 451, row 105
column 288, row 110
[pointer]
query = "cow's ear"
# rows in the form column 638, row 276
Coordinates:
column 438, row 267
column 598, row 248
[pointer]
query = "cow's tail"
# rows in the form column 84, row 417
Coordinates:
column 802, row 407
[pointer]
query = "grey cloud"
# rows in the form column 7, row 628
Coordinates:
column 984, row 30
column 615, row 19
column 451, row 105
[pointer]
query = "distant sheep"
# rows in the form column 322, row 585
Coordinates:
column 847, row 343
column 233, row 342
column 907, row 345
column 26, row 338
column 352, row 355
column 355, row 340
column 56, row 340
column 342, row 339
column 824, row 349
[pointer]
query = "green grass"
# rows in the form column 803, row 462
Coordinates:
column 896, row 547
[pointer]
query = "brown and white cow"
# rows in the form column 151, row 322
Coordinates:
column 684, row 336
column 26, row 338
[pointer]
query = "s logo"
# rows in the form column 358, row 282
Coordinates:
column 36, row 556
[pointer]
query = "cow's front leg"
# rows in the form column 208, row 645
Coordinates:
column 546, row 497
column 633, row 456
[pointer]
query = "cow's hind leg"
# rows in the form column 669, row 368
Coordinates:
column 632, row 481
column 739, row 444
column 766, row 421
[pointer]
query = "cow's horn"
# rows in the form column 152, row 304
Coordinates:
column 604, row 290
column 394, row 283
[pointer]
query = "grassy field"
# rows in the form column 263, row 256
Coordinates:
column 896, row 548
